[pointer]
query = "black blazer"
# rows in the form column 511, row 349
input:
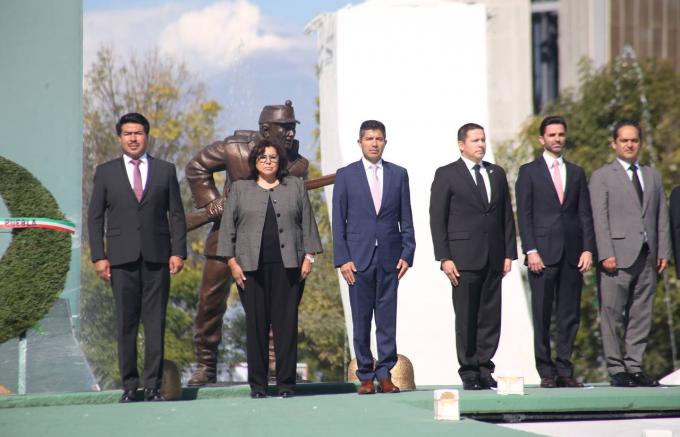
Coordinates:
column 154, row 227
column 462, row 229
column 547, row 226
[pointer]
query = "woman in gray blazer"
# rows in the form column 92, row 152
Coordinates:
column 268, row 236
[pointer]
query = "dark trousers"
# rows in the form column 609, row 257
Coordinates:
column 140, row 292
column 477, row 304
column 374, row 292
column 271, row 297
column 558, row 285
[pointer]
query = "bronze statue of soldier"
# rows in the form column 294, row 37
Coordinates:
column 277, row 123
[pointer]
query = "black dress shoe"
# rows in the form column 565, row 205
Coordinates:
column 622, row 379
column 548, row 382
column 153, row 395
column 568, row 382
column 286, row 393
column 128, row 396
column 257, row 394
column 641, row 379
column 487, row 382
column 472, row 384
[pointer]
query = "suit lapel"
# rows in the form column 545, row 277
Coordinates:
column 126, row 180
column 570, row 186
column 493, row 181
column 547, row 177
column 622, row 178
column 360, row 172
column 464, row 173
column 151, row 164
column 648, row 182
column 387, row 183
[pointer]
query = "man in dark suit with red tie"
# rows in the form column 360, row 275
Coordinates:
column 473, row 234
column 556, row 226
column 373, row 245
column 136, row 197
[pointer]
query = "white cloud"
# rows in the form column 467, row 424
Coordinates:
column 128, row 31
column 221, row 35
column 212, row 39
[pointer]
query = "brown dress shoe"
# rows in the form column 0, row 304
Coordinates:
column 386, row 386
column 366, row 388
column 568, row 381
column 548, row 382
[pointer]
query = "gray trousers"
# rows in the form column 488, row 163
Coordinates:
column 626, row 300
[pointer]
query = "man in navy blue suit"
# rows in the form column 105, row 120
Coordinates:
column 373, row 245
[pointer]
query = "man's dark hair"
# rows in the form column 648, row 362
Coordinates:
column 258, row 150
column 132, row 117
column 371, row 125
column 552, row 119
column 463, row 130
column 626, row 122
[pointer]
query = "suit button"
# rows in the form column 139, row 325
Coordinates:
column 278, row 214
column 274, row 200
column 280, row 231
column 282, row 246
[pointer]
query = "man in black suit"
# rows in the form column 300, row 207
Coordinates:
column 137, row 197
column 556, row 226
column 473, row 233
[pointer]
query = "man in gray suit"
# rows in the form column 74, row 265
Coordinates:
column 633, row 243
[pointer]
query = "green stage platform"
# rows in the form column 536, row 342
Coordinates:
column 319, row 409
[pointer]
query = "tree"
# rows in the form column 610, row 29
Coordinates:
column 646, row 90
column 182, row 121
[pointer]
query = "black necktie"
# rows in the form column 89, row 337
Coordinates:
column 481, row 187
column 636, row 182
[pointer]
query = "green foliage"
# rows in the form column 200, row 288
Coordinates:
column 646, row 90
column 34, row 266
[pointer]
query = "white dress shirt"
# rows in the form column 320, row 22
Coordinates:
column 482, row 171
column 130, row 169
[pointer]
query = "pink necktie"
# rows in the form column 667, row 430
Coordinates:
column 557, row 180
column 375, row 188
column 137, row 180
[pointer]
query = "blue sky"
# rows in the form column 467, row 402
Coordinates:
column 249, row 53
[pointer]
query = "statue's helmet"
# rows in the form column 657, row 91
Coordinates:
column 278, row 113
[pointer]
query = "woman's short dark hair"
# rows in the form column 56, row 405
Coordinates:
column 258, row 150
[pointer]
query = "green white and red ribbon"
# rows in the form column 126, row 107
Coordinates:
column 37, row 222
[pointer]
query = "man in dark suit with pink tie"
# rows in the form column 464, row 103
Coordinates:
column 556, row 226
column 136, row 199
column 373, row 245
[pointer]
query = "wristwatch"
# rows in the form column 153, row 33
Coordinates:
column 309, row 258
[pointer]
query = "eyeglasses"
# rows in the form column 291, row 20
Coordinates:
column 272, row 158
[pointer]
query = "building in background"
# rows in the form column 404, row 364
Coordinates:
column 565, row 31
